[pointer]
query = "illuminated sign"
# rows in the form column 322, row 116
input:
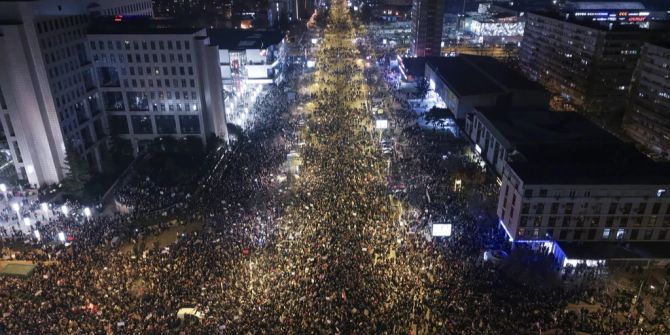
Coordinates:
column 381, row 124
column 441, row 230
column 612, row 16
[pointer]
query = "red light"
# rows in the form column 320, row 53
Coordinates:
column 118, row 18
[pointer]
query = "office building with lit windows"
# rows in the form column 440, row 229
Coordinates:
column 571, row 186
column 427, row 17
column 48, row 89
column 157, row 80
column 647, row 119
column 587, row 64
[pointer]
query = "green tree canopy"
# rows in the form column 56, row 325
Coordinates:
column 422, row 88
column 437, row 116
column 77, row 169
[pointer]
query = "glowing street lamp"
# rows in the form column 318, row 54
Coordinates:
column 87, row 213
column 64, row 209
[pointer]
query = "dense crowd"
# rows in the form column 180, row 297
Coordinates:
column 325, row 251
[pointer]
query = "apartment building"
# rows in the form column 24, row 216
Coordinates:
column 465, row 82
column 427, row 17
column 587, row 64
column 647, row 120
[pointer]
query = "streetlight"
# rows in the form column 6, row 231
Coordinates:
column 64, row 210
column 87, row 213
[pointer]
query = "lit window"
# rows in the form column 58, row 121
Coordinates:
column 620, row 233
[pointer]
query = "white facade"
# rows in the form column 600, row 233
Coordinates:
column 250, row 64
column 158, row 83
column 46, row 83
column 583, row 212
column 544, row 207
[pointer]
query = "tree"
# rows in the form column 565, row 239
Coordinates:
column 213, row 142
column 234, row 131
column 422, row 88
column 78, row 173
column 116, row 157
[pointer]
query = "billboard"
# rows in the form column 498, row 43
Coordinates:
column 441, row 230
column 381, row 124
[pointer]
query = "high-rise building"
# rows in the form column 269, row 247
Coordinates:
column 303, row 9
column 49, row 94
column 157, row 81
column 427, row 16
column 277, row 11
column 587, row 64
column 647, row 119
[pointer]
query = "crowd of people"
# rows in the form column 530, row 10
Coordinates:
column 326, row 250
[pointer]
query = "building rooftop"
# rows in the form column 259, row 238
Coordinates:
column 474, row 75
column 588, row 164
column 566, row 148
column 521, row 127
column 415, row 66
column 138, row 25
column 241, row 39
